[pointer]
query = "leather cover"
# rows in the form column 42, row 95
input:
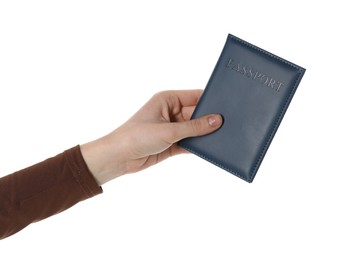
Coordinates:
column 252, row 89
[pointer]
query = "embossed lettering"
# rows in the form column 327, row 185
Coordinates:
column 254, row 74
column 271, row 83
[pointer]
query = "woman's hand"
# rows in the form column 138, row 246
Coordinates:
column 149, row 136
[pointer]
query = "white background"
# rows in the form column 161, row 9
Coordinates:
column 72, row 71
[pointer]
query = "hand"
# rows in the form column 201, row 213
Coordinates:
column 149, row 136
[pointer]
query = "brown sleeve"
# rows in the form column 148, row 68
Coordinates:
column 44, row 189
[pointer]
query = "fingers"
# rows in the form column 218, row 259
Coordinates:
column 188, row 97
column 195, row 127
column 179, row 97
column 187, row 112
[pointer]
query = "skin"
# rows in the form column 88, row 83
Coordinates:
column 149, row 136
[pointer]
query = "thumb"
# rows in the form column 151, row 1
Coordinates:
column 197, row 127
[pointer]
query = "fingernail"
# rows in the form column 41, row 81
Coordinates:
column 214, row 120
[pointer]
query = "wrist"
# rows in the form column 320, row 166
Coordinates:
column 103, row 162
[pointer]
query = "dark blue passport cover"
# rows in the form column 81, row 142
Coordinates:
column 252, row 89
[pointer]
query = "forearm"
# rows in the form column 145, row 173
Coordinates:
column 43, row 190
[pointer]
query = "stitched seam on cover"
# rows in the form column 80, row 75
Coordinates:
column 265, row 52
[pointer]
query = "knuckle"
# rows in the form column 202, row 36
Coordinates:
column 161, row 94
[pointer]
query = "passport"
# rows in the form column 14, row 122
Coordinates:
column 251, row 88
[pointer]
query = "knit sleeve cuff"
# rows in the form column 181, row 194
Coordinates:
column 81, row 172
